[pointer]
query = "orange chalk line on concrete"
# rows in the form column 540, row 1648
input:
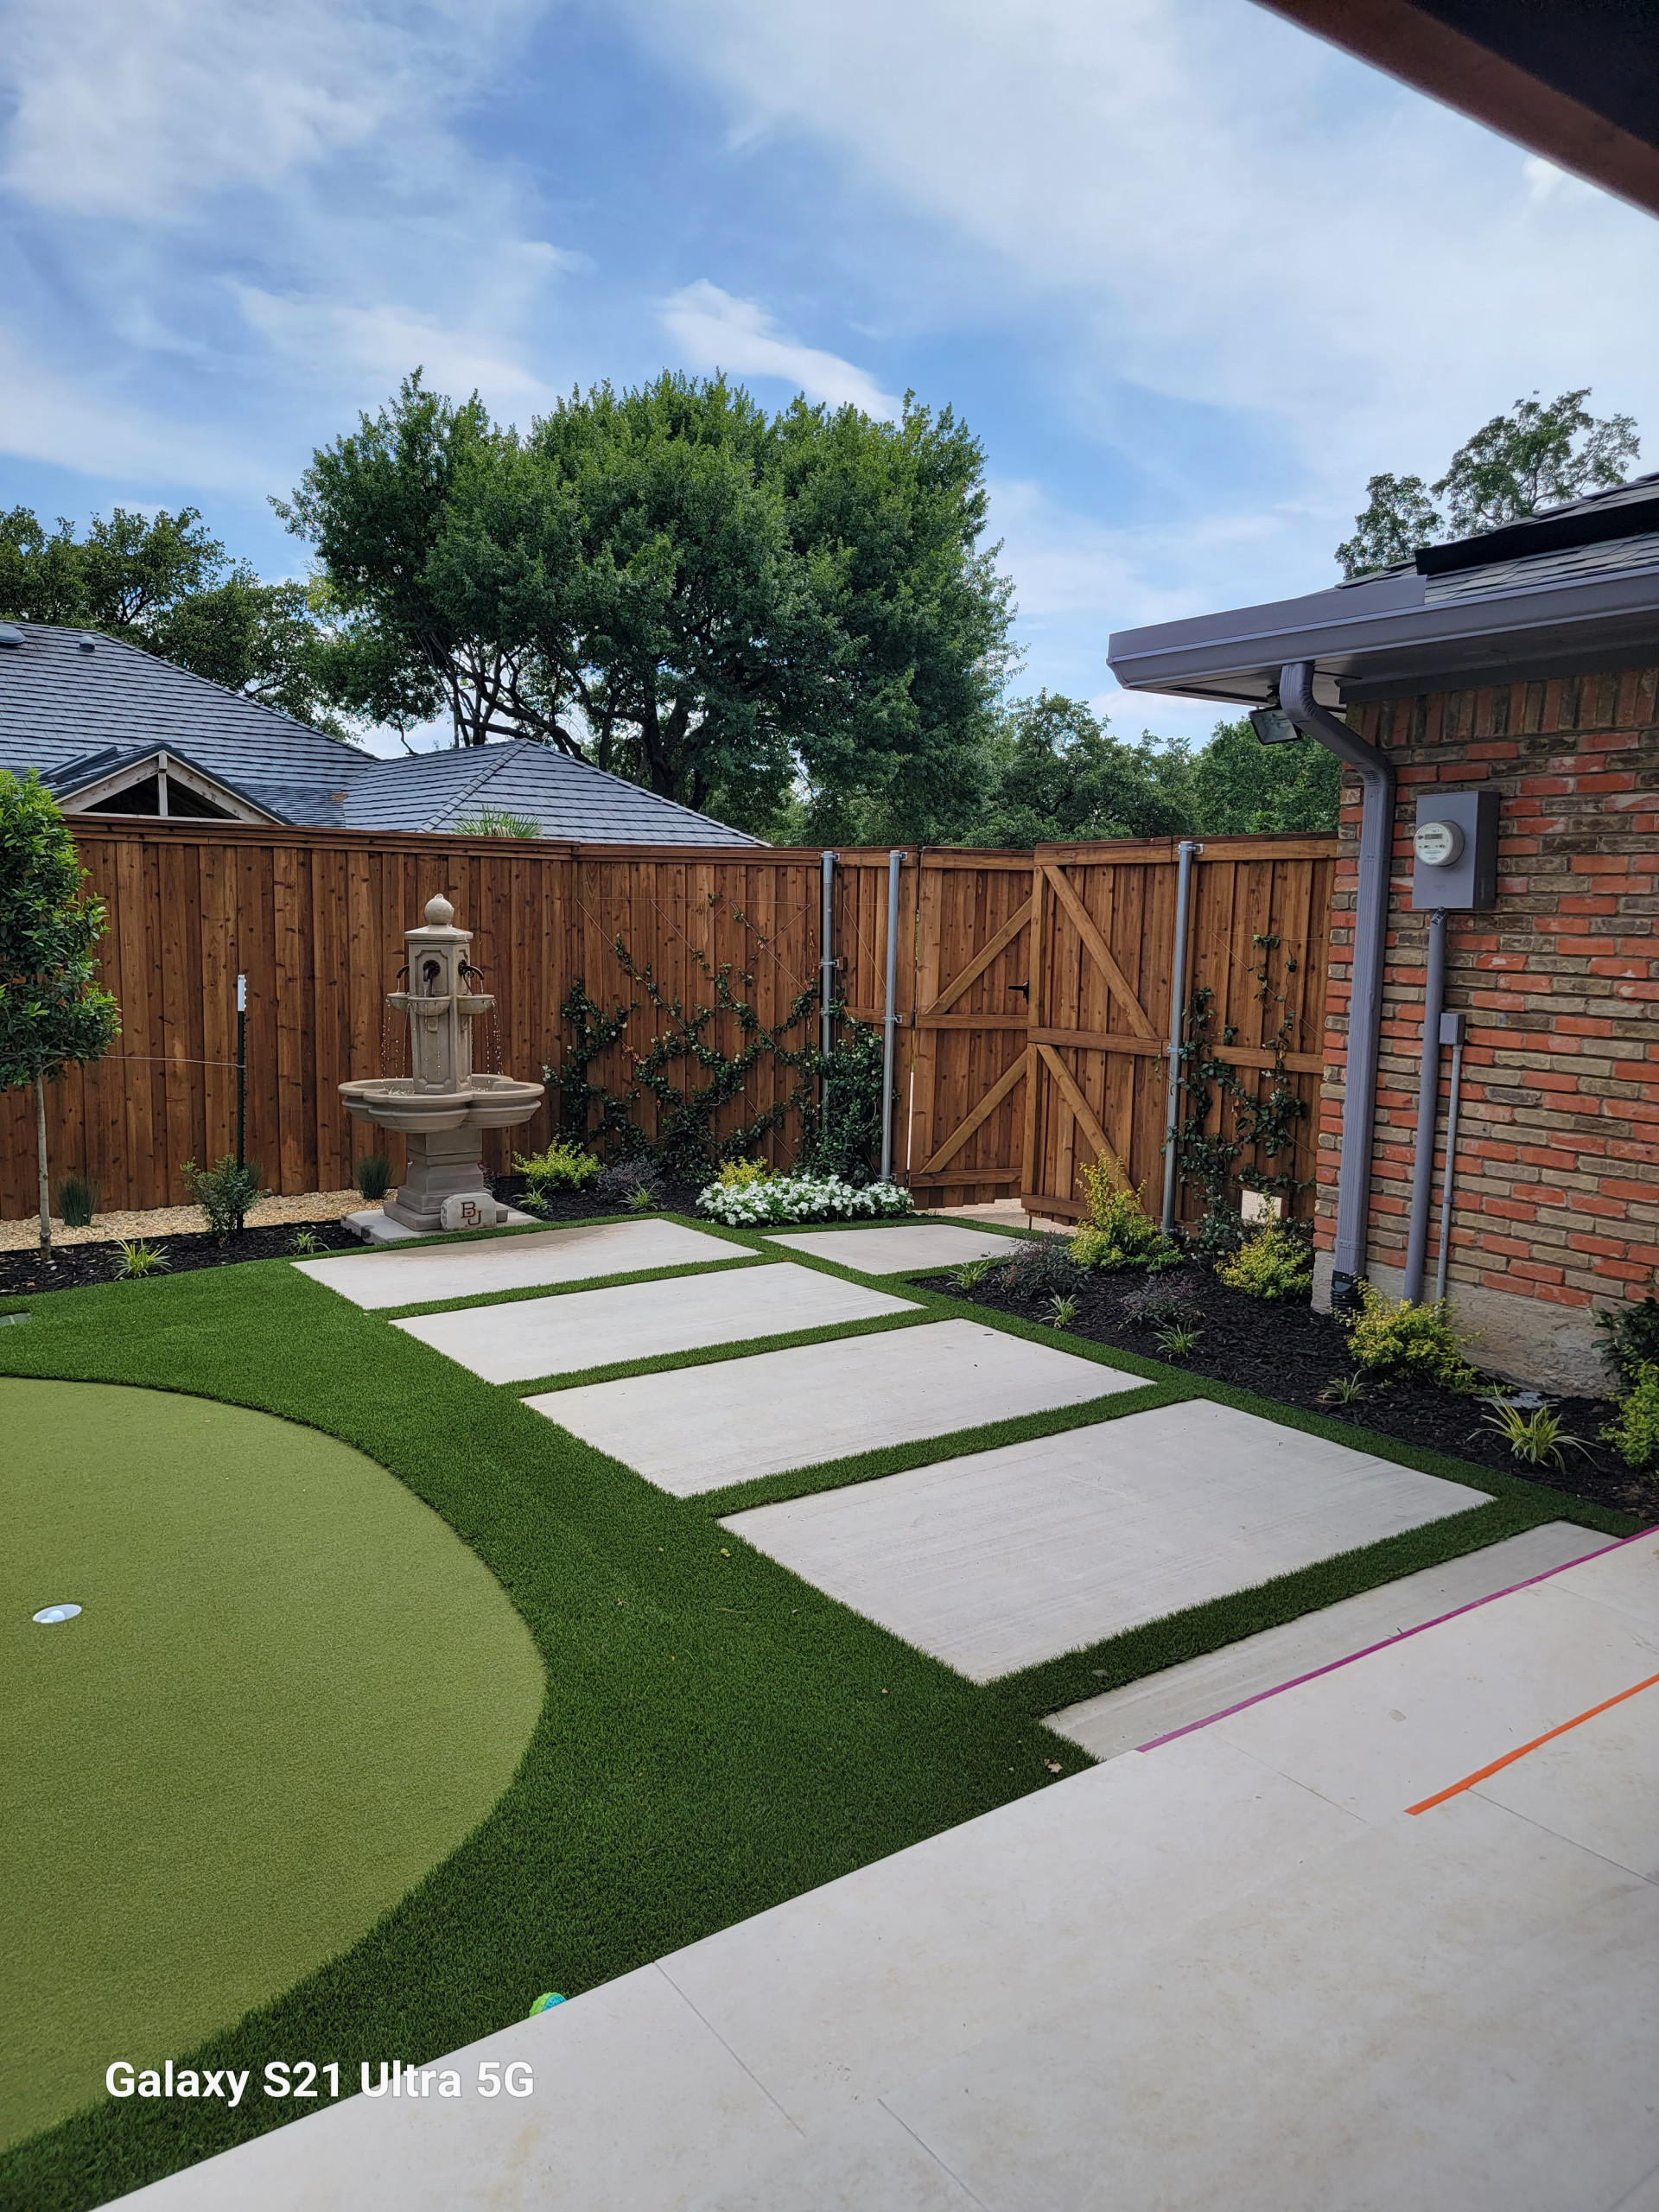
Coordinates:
column 1509, row 1757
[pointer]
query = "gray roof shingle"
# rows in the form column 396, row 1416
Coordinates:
column 61, row 700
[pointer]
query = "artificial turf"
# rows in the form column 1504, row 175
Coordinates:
column 291, row 1692
column 716, row 1737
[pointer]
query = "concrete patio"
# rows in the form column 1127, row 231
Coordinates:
column 1328, row 1953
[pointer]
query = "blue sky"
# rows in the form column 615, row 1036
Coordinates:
column 1191, row 275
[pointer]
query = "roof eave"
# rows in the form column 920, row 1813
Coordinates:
column 1396, row 646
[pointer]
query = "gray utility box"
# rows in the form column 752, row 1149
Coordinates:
column 1454, row 851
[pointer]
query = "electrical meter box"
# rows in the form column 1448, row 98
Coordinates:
column 1454, row 851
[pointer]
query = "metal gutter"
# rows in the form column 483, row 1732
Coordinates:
column 1375, row 772
column 1395, row 631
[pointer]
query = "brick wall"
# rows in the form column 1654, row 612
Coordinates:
column 1557, row 1195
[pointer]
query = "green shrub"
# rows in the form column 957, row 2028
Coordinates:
column 1409, row 1340
column 1634, row 1431
column 1062, row 1313
column 565, row 1165
column 304, row 1241
column 1343, row 1390
column 1630, row 1337
column 374, row 1177
column 1038, row 1266
column 223, row 1191
column 1274, row 1261
column 1119, row 1232
column 77, row 1198
column 971, row 1274
column 736, row 1173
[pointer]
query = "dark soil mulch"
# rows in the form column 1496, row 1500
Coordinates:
column 1290, row 1352
column 71, row 1266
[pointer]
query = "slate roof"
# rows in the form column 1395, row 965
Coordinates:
column 62, row 699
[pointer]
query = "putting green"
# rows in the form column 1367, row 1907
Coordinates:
column 291, row 1691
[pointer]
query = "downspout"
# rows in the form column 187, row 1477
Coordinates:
column 890, row 1018
column 1186, row 853
column 1428, row 1111
column 1450, row 1034
column 1365, row 990
column 827, row 954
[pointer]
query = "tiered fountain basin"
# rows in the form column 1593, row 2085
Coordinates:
column 442, row 1108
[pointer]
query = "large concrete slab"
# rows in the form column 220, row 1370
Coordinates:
column 1182, row 1982
column 995, row 1562
column 421, row 1276
column 892, row 1251
column 640, row 1321
column 633, row 2101
column 1120, row 1720
column 1464, row 2018
column 711, row 1426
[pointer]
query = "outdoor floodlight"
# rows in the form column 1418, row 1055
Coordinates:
column 1273, row 725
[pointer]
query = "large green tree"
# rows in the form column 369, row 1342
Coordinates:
column 164, row 584
column 53, row 1012
column 1055, row 774
column 1534, row 456
column 731, row 608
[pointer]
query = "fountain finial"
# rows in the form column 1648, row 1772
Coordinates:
column 439, row 913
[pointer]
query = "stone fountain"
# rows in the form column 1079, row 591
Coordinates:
column 440, row 1107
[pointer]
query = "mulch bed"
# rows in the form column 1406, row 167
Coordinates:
column 1290, row 1353
column 71, row 1266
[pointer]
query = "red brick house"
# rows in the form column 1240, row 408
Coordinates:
column 1523, row 665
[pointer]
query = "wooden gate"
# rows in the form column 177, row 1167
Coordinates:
column 1044, row 990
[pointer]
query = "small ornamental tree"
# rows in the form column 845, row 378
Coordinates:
column 53, row 1015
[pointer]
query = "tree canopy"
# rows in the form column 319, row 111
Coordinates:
column 721, row 605
column 1534, row 456
column 164, row 584
column 1054, row 774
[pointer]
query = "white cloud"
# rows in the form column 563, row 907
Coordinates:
column 1235, row 215
column 143, row 110
column 716, row 331
column 377, row 347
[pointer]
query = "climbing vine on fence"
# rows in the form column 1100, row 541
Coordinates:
column 1266, row 1109
column 692, row 1082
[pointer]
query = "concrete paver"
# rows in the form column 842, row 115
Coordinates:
column 707, row 1427
column 996, row 1561
column 641, row 1320
column 1120, row 1720
column 892, row 1251
column 422, row 1275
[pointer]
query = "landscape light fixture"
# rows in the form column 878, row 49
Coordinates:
column 1273, row 725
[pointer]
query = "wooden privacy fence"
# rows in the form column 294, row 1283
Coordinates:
column 1033, row 991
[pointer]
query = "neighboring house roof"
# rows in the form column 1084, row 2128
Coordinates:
column 1571, row 590
column 66, row 695
column 97, row 780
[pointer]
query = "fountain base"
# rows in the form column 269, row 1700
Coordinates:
column 445, row 1166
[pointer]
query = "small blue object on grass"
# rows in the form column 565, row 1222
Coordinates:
column 544, row 2003
column 48, row 1614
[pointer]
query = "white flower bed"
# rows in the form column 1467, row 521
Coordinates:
column 800, row 1198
